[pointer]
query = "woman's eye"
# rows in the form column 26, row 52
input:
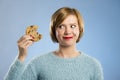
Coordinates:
column 73, row 26
column 61, row 27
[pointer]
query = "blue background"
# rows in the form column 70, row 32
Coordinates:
column 101, row 38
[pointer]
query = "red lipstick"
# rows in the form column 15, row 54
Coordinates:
column 68, row 37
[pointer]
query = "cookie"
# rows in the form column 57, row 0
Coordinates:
column 32, row 30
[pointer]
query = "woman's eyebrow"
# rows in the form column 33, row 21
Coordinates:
column 73, row 23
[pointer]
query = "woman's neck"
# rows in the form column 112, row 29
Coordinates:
column 67, row 52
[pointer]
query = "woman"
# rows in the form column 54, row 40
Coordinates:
column 66, row 63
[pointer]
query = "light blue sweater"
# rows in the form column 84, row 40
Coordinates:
column 52, row 67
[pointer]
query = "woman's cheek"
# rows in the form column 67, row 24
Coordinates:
column 58, row 33
column 76, row 32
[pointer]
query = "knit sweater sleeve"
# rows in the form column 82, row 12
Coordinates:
column 98, row 72
column 18, row 71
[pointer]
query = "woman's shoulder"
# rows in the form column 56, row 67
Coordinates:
column 41, row 58
column 90, row 59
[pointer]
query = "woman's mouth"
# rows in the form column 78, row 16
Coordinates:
column 67, row 37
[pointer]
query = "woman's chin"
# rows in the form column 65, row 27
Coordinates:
column 67, row 44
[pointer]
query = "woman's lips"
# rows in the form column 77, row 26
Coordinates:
column 68, row 37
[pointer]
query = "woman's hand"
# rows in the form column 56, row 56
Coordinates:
column 23, row 43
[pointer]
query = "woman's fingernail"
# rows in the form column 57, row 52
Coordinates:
column 31, row 36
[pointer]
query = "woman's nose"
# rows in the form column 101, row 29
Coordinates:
column 67, row 31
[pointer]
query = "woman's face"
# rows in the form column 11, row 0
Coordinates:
column 68, row 31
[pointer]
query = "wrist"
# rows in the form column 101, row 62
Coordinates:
column 21, row 58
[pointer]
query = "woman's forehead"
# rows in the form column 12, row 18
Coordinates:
column 72, row 19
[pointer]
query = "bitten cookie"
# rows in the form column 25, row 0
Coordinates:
column 32, row 30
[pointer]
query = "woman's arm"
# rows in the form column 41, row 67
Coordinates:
column 18, row 71
column 15, row 71
column 98, row 72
